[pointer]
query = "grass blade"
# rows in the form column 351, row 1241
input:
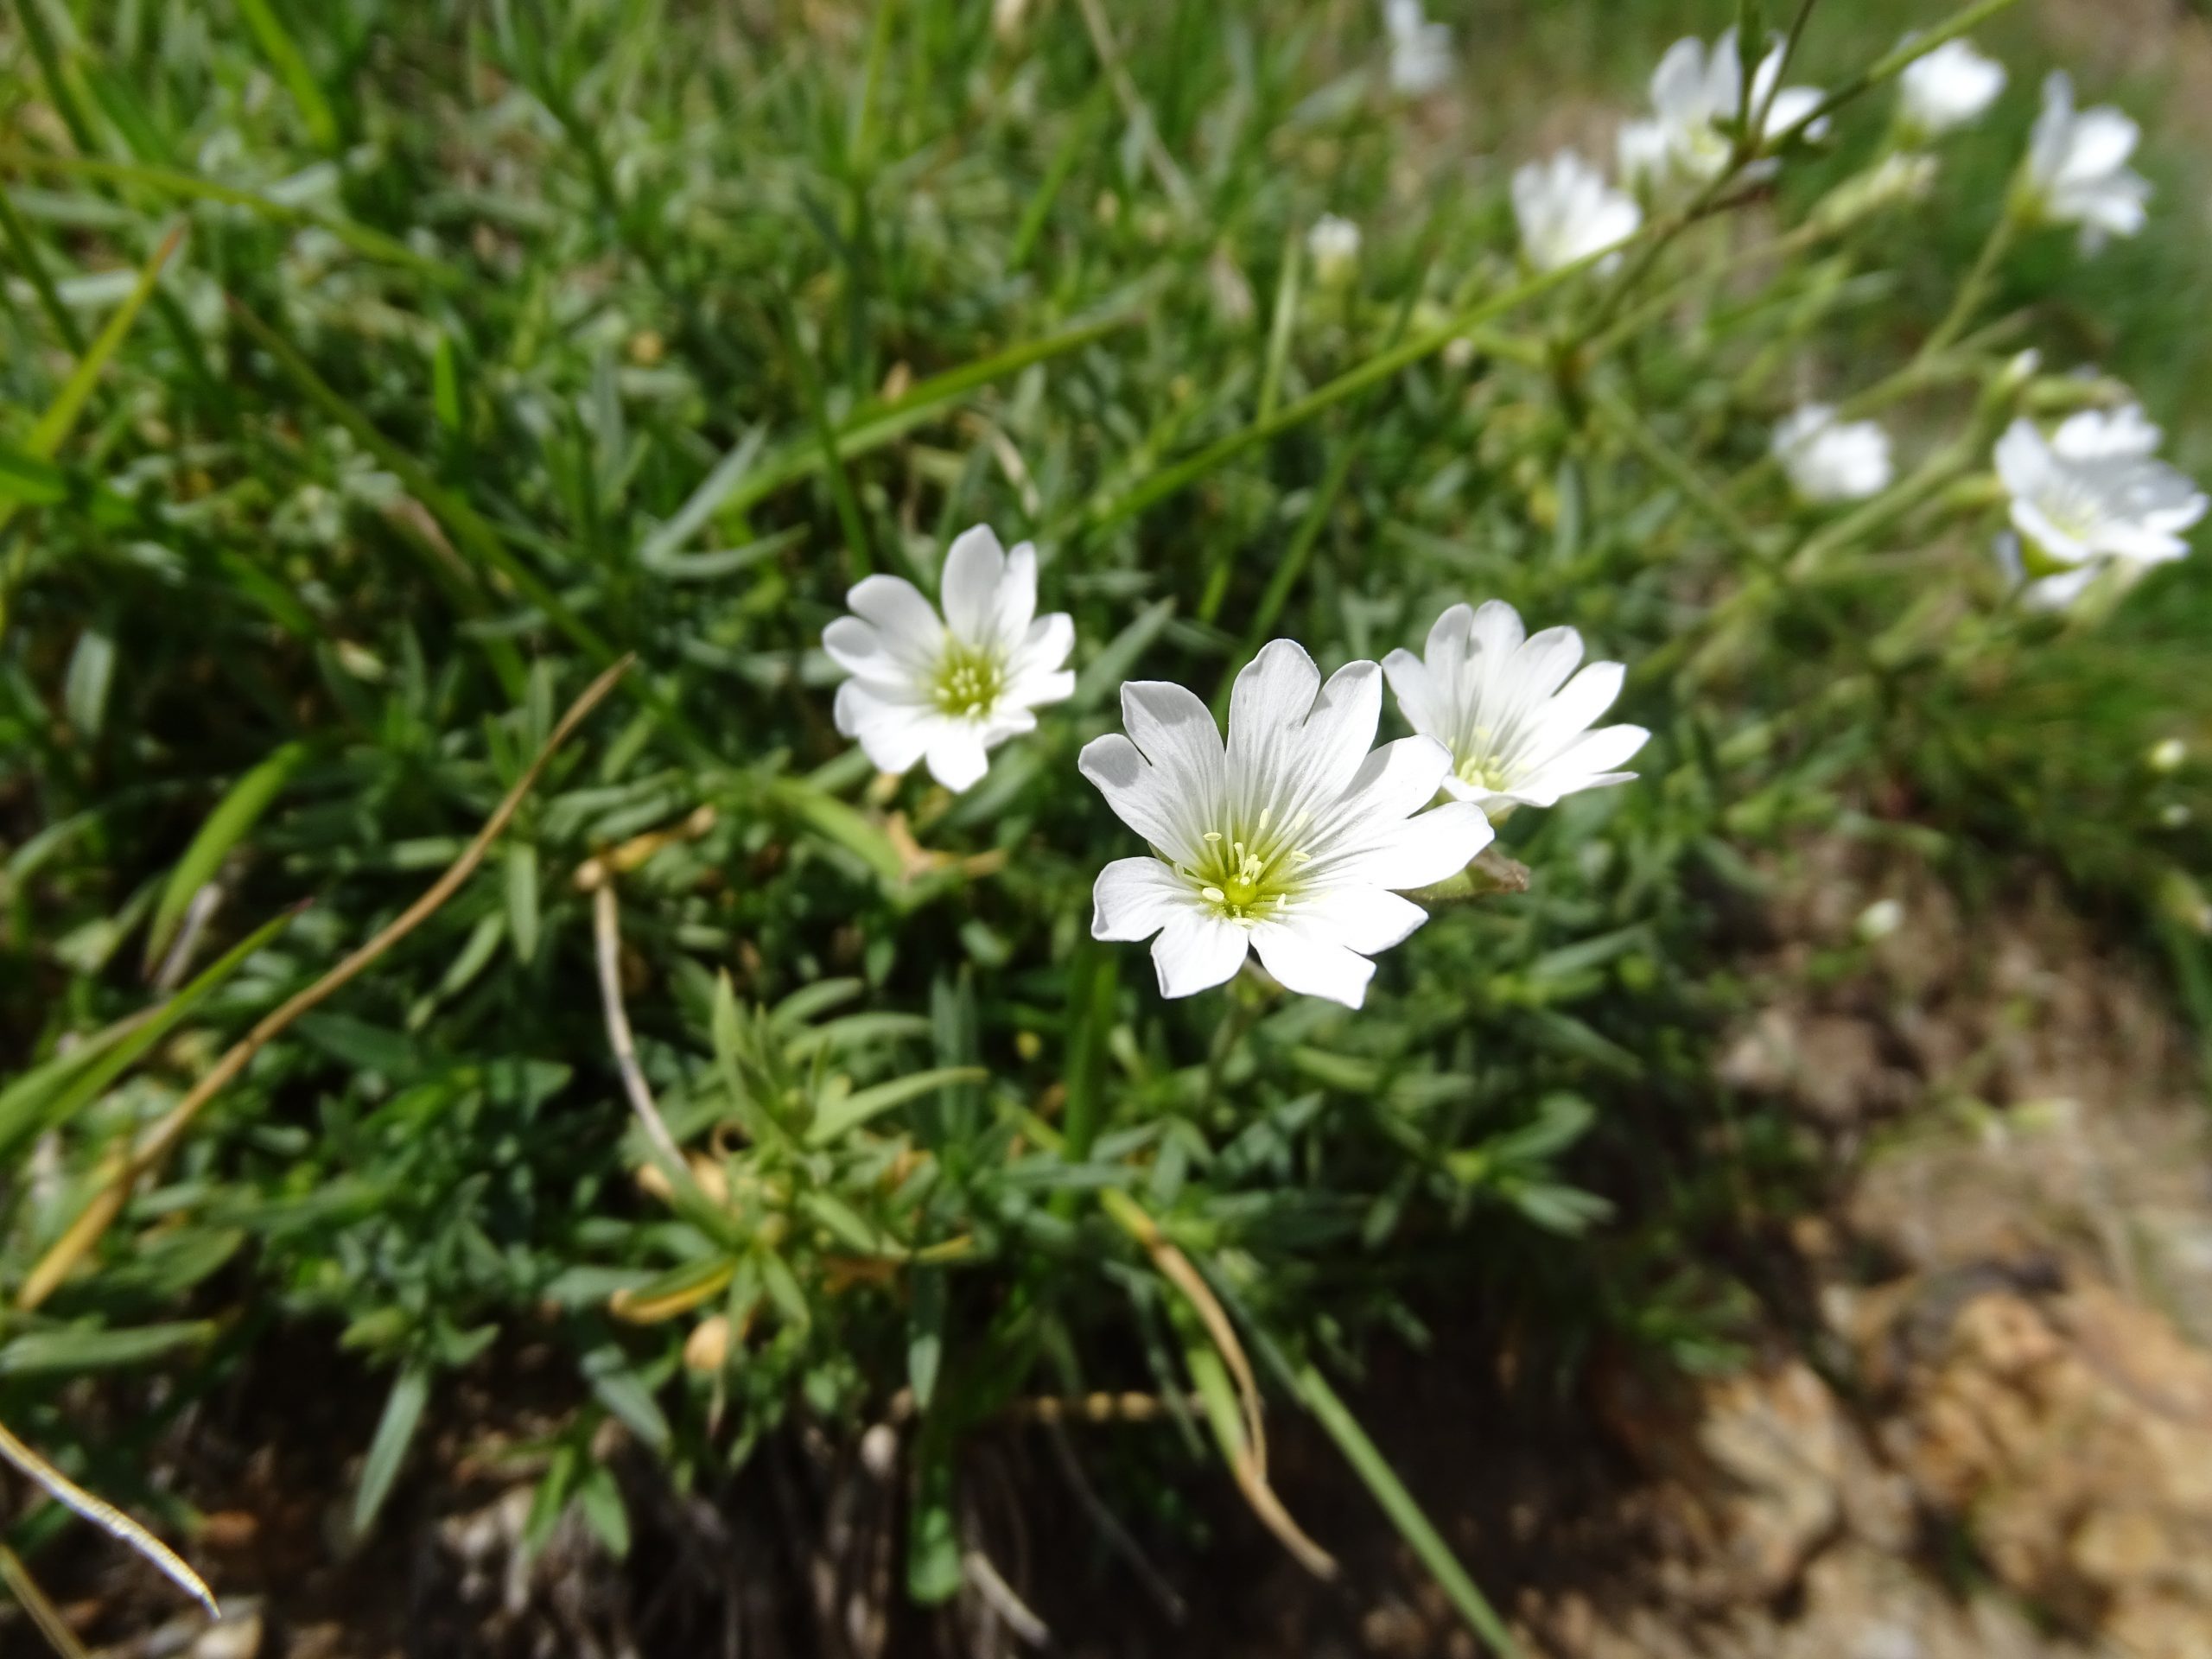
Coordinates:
column 291, row 65
column 234, row 816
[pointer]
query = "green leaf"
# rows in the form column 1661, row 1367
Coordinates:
column 91, row 671
column 30, row 480
column 925, row 1334
column 231, row 821
column 840, row 1117
column 601, row 1501
column 65, row 1353
column 291, row 65
column 403, row 1413
column 521, row 898
column 624, row 1393
column 842, row 826
column 55, row 1092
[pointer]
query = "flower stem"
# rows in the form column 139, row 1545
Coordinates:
column 1975, row 288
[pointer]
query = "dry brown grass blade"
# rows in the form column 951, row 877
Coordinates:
column 37, row 1603
column 606, row 936
column 105, row 1515
column 124, row 1172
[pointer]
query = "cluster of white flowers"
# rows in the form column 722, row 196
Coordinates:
column 2091, row 498
column 1697, row 97
column 1296, row 837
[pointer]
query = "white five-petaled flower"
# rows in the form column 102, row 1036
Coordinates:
column 2092, row 495
column 1567, row 211
column 949, row 689
column 1332, row 243
column 1948, row 88
column 1830, row 461
column 1500, row 701
column 1695, row 92
column 1420, row 52
column 2077, row 171
column 1295, row 840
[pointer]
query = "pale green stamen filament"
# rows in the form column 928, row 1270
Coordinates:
column 968, row 680
column 1253, row 877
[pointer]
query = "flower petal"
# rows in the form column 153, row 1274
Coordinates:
column 1311, row 966
column 1196, row 952
column 974, row 566
column 909, row 626
column 1421, row 699
column 1365, row 919
column 1266, row 709
column 893, row 736
column 956, row 754
column 1152, row 800
column 1135, row 898
column 1440, row 843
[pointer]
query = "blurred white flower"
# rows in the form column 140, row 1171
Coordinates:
column 1830, row 461
column 1879, row 920
column 1517, row 727
column 949, row 690
column 1948, row 88
column 2077, row 171
column 1420, row 52
column 1332, row 243
column 1696, row 92
column 1900, row 176
column 2091, row 496
column 1640, row 152
column 1294, row 841
column 2166, row 754
column 1567, row 211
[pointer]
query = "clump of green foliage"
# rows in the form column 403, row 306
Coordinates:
column 505, row 340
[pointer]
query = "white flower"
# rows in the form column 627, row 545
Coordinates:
column 1295, row 840
column 1695, row 92
column 1948, row 88
column 2091, row 496
column 1332, row 244
column 1420, row 52
column 1828, row 460
column 1640, row 151
column 1496, row 700
column 2077, row 171
column 949, row 690
column 1567, row 211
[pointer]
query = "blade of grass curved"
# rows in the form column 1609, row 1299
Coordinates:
column 43, row 1612
column 1405, row 1514
column 176, row 181
column 109, row 1519
column 234, row 816
column 284, row 55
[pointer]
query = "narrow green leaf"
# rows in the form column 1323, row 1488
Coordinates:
column 66, row 1353
column 403, row 1415
column 291, row 65
column 29, row 480
column 1405, row 1514
column 624, row 1393
column 522, row 898
column 840, row 825
column 231, row 821
column 1104, row 674
column 85, row 686
column 840, row 1117
column 31, row 1105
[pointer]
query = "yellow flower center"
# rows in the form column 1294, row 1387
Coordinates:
column 1248, row 877
column 969, row 680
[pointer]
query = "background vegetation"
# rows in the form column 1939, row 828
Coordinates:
column 506, row 339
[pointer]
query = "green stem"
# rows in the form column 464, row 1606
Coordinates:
column 1973, row 290
column 1405, row 1514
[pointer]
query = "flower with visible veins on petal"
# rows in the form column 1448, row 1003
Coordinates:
column 1830, row 461
column 949, row 690
column 2077, row 171
column 1567, row 211
column 1696, row 91
column 1500, row 701
column 2092, row 496
column 1947, row 88
column 1295, row 840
